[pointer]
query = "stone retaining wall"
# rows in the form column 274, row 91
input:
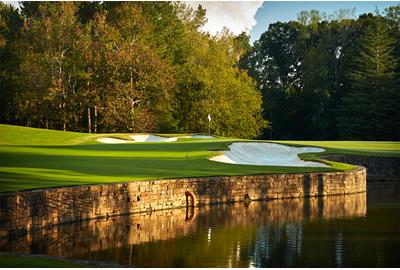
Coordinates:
column 30, row 210
column 378, row 168
column 111, row 234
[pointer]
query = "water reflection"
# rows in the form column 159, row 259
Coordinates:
column 297, row 232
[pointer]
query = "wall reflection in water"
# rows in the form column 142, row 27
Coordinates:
column 297, row 232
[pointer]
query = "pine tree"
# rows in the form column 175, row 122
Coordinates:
column 370, row 109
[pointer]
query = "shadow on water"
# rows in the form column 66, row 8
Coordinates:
column 356, row 230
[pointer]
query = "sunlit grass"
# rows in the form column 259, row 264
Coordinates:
column 37, row 158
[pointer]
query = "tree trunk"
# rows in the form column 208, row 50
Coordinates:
column 64, row 117
column 95, row 119
column 132, row 109
column 89, row 120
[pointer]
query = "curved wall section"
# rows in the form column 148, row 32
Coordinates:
column 116, row 232
column 379, row 168
column 32, row 210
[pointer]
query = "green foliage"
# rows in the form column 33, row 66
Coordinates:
column 327, row 77
column 10, row 23
column 393, row 15
column 370, row 108
column 219, row 89
column 127, row 66
column 147, row 67
column 312, row 17
column 274, row 63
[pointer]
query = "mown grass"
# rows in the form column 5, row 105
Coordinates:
column 14, row 261
column 36, row 158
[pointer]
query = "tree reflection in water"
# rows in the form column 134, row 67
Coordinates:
column 316, row 232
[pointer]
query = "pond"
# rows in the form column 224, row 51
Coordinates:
column 359, row 230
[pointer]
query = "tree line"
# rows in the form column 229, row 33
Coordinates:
column 123, row 67
column 147, row 67
column 330, row 77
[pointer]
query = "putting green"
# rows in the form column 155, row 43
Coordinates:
column 37, row 158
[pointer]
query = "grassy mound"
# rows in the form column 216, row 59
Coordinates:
column 37, row 158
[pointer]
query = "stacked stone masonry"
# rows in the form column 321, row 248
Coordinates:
column 379, row 168
column 104, row 234
column 30, row 210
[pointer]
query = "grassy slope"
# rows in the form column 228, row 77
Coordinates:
column 36, row 158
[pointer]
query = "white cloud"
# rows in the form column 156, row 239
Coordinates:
column 15, row 4
column 237, row 16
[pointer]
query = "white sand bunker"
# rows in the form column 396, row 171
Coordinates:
column 271, row 154
column 152, row 138
column 198, row 136
column 113, row 140
column 155, row 138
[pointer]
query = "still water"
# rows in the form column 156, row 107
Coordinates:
column 360, row 230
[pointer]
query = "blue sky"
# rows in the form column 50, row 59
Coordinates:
column 271, row 12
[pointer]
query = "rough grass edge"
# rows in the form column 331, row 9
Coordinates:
column 41, row 260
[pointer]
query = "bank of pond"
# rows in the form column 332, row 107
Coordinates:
column 355, row 230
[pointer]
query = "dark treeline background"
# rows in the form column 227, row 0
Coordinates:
column 147, row 67
column 330, row 77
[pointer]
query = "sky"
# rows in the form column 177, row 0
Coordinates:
column 271, row 12
column 238, row 16
column 255, row 16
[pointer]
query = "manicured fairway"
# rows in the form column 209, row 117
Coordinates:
column 36, row 158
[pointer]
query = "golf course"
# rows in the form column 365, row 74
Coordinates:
column 199, row 134
column 34, row 158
